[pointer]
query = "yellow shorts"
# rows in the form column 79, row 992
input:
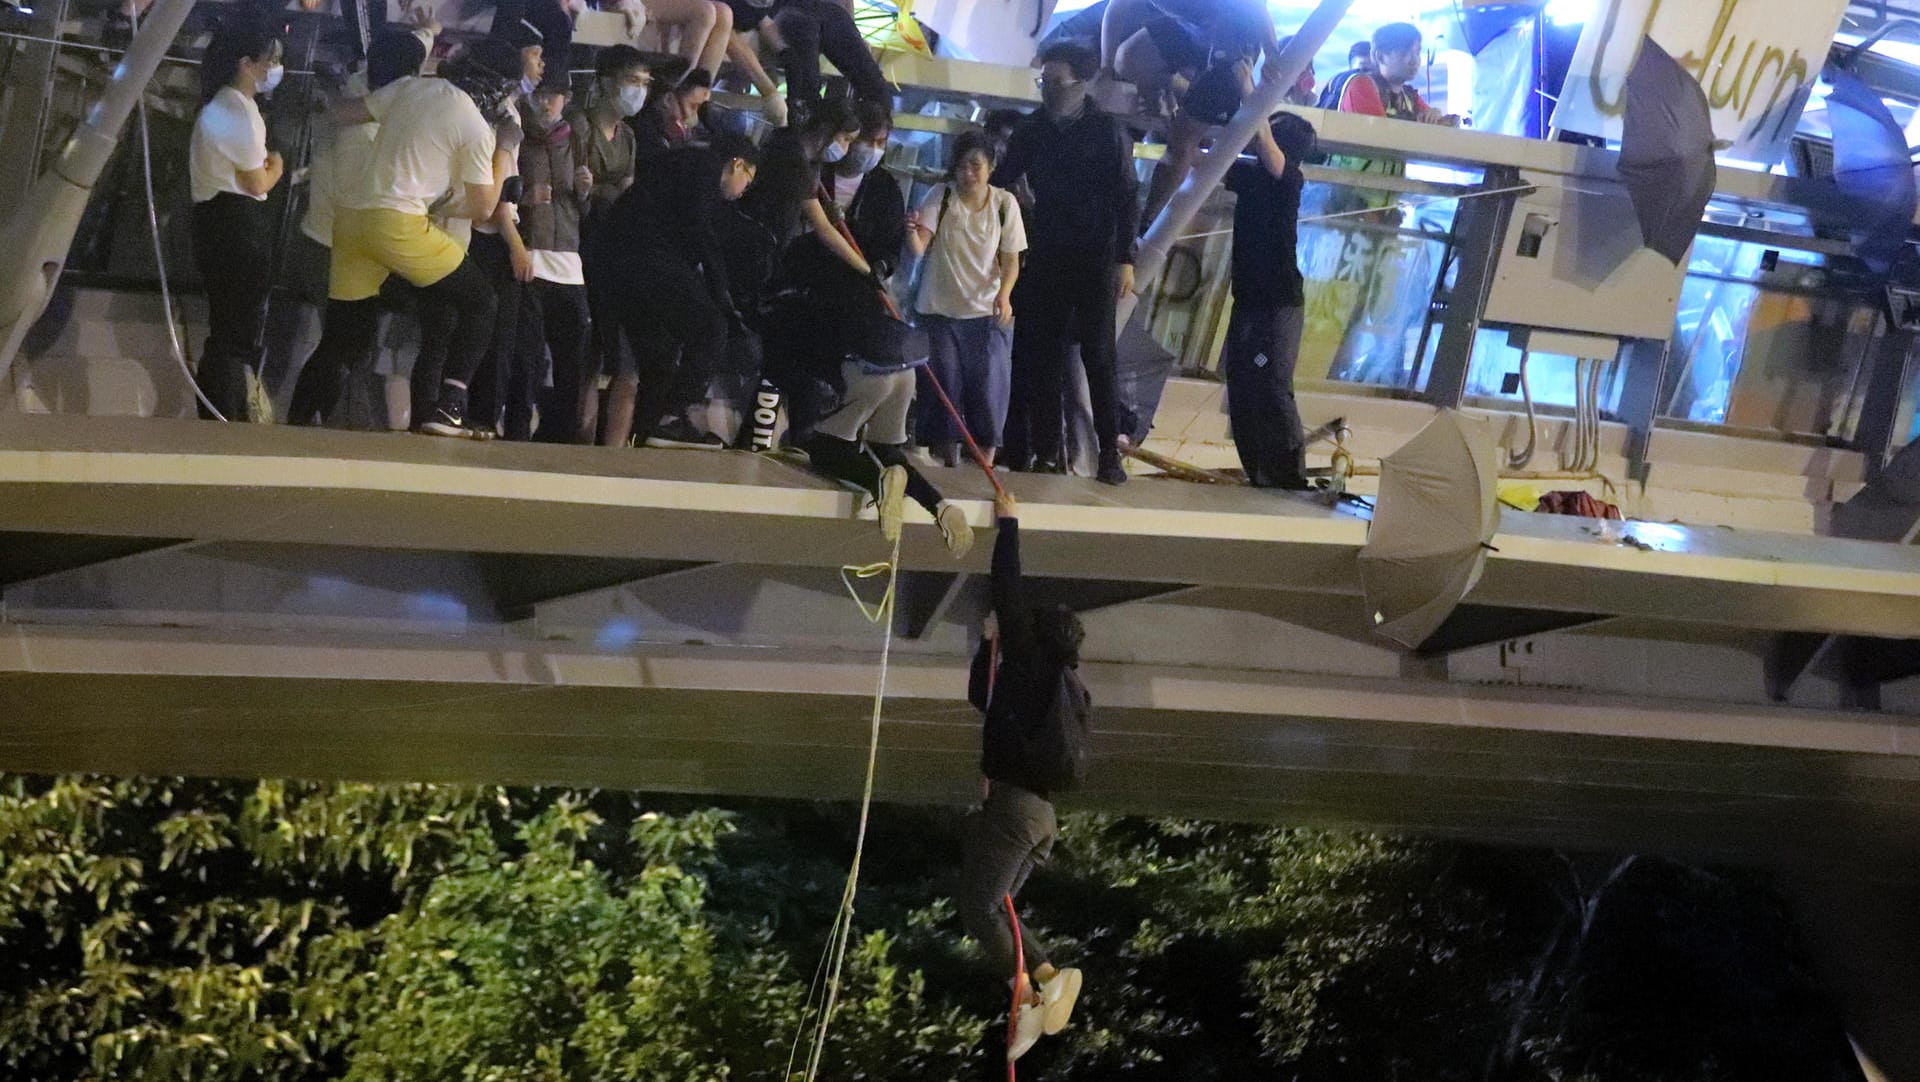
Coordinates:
column 368, row 245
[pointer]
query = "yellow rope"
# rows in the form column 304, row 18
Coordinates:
column 835, row 956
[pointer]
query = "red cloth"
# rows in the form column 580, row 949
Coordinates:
column 1576, row 503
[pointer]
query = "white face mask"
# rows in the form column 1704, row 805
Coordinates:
column 527, row 87
column 632, row 99
column 834, row 152
column 274, row 74
column 864, row 157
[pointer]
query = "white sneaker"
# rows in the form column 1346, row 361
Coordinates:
column 1057, row 998
column 955, row 531
column 1027, row 1029
column 891, row 503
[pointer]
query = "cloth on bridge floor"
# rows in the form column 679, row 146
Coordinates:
column 1575, row 502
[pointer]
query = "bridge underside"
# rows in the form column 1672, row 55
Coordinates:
column 203, row 599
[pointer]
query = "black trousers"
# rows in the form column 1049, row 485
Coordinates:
column 457, row 310
column 1263, row 345
column 1063, row 299
column 487, row 390
column 676, row 331
column 860, row 464
column 1005, row 840
column 233, row 248
column 553, row 320
column 812, row 28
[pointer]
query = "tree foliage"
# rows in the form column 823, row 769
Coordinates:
column 169, row 929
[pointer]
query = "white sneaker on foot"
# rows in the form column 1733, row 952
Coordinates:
column 1057, row 997
column 891, row 503
column 1027, row 1029
column 955, row 531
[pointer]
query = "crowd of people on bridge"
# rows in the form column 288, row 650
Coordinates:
column 585, row 256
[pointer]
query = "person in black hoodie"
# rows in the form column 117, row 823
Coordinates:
column 673, row 300
column 1033, row 745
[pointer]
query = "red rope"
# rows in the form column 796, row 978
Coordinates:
column 1019, row 971
column 979, row 456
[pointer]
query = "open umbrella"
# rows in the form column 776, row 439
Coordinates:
column 1666, row 151
column 1870, row 165
column 1431, row 523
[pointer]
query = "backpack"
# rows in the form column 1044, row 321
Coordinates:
column 1330, row 96
column 1059, row 752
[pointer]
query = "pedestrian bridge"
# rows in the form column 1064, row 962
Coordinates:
column 182, row 597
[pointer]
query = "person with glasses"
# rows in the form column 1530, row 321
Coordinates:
column 1078, row 162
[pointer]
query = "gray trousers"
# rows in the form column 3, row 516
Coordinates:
column 1006, row 839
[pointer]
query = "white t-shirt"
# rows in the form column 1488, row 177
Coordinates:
column 560, row 268
column 229, row 136
column 962, row 274
column 432, row 140
column 332, row 168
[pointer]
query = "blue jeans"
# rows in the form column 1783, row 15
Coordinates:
column 973, row 360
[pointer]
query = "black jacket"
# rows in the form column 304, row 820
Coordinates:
column 1086, row 196
column 877, row 217
column 671, row 210
column 1035, row 705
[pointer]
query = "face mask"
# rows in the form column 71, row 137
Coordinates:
column 1063, row 100
column 632, row 99
column 274, row 75
column 527, row 86
column 864, row 157
column 834, row 152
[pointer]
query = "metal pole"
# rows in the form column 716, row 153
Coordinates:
column 35, row 240
column 1207, row 174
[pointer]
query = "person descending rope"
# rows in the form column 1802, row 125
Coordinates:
column 1034, row 744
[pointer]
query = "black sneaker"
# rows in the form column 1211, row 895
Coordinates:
column 446, row 419
column 1111, row 471
column 679, row 432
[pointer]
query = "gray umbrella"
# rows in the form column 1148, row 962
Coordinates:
column 1666, row 151
column 1431, row 523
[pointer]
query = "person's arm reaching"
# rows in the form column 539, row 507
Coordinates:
column 1269, row 152
column 1009, row 590
column 1126, row 197
column 829, row 234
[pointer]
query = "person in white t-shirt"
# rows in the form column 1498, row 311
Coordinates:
column 436, row 136
column 344, row 154
column 971, row 235
column 230, row 171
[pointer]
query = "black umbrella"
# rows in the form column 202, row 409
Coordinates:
column 1666, row 151
column 1871, row 166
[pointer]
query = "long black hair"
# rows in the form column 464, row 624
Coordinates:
column 241, row 39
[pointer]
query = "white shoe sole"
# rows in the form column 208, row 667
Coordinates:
column 682, row 445
column 441, row 428
column 1057, row 998
column 1029, row 1028
column 891, row 503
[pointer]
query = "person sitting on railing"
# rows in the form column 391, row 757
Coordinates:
column 800, row 32
column 1035, row 744
column 231, row 171
column 1214, row 99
